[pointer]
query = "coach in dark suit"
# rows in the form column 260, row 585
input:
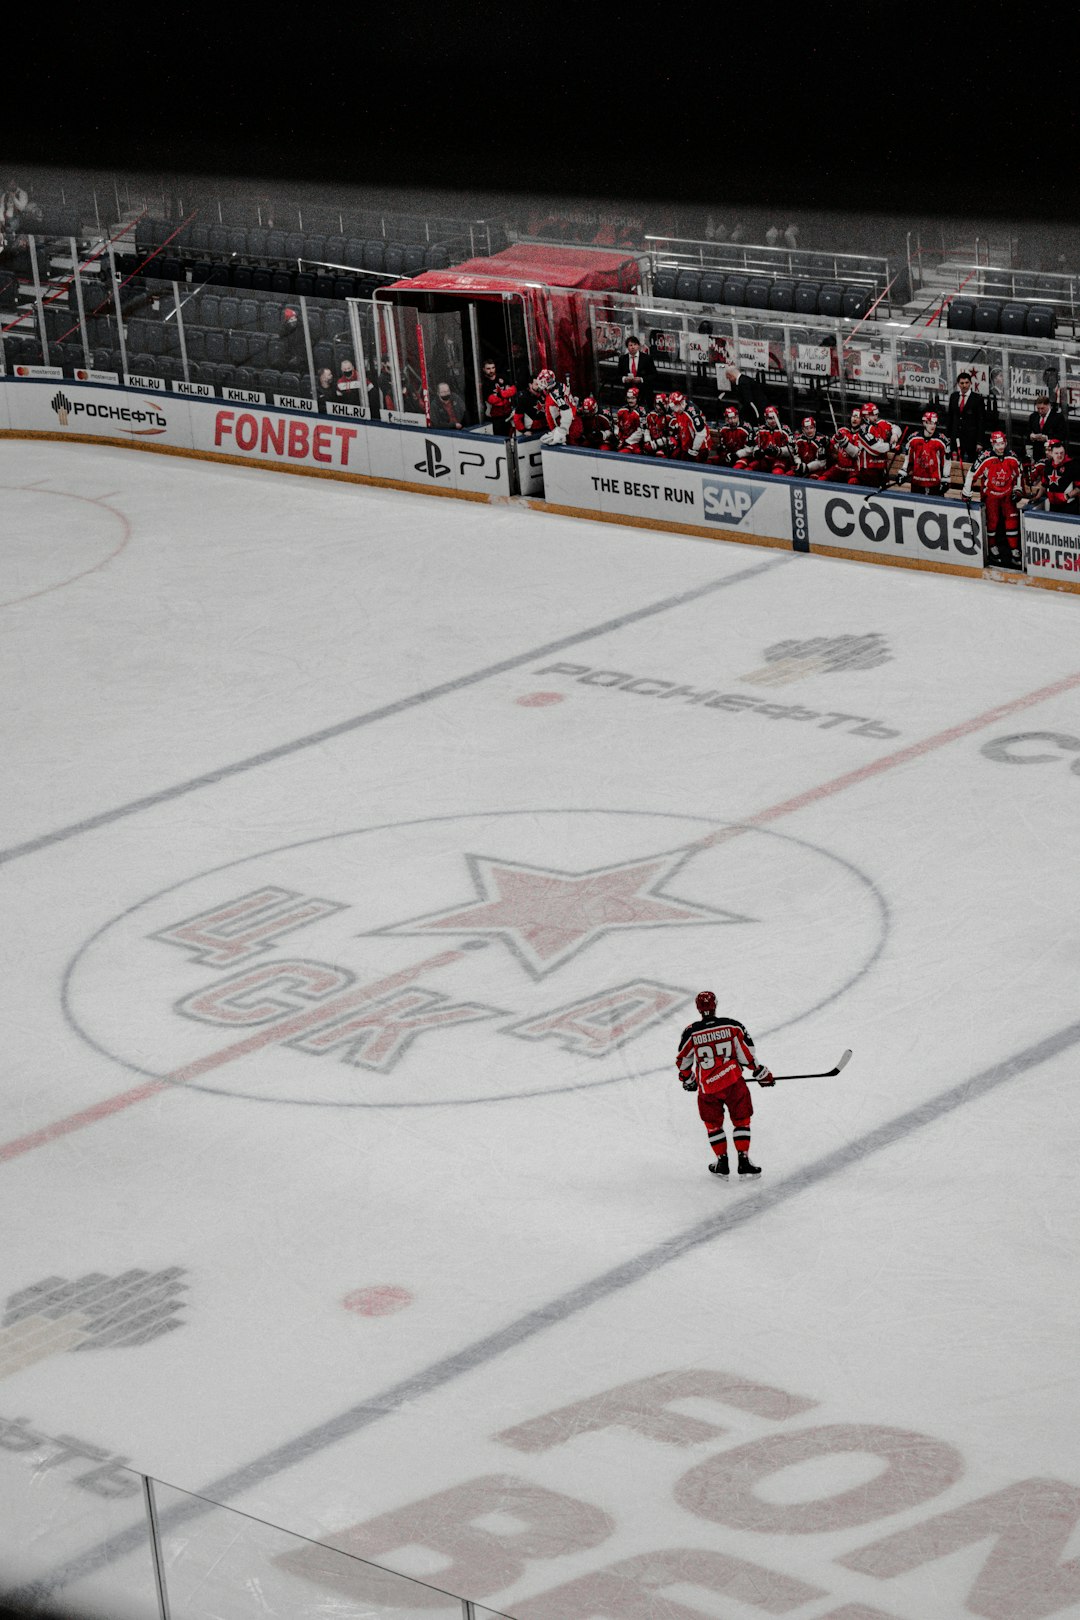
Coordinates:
column 638, row 369
column 750, row 394
column 965, row 420
column 1045, row 422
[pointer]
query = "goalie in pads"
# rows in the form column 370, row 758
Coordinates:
column 713, row 1052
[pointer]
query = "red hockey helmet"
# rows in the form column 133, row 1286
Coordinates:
column 660, row 402
column 545, row 379
column 705, row 1003
column 869, row 409
column 1056, row 451
column 677, row 402
column 772, row 414
column 930, row 416
column 589, row 405
column 809, row 424
column 731, row 416
column 998, row 438
column 632, row 396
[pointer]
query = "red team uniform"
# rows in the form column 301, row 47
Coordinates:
column 928, row 464
column 844, row 454
column 712, row 1055
column 773, row 450
column 998, row 474
column 875, row 448
column 690, row 436
column 630, row 425
column 1056, row 478
column 658, row 428
column 810, row 449
column 732, row 445
column 590, row 428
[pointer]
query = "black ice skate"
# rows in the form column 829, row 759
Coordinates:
column 746, row 1168
column 719, row 1167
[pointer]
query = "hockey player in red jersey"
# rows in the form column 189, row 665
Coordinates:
column 733, row 445
column 713, row 1052
column 810, row 456
column 844, row 452
column 591, row 428
column 927, row 462
column 773, row 446
column 876, row 444
column 630, row 424
column 690, row 436
column 1055, row 482
column 658, row 427
column 998, row 473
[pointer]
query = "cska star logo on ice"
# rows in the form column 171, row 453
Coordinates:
column 463, row 959
column 830, row 655
column 95, row 1312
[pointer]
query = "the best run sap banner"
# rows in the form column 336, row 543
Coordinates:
column 466, row 463
column 801, row 513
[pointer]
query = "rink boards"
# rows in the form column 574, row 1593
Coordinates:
column 901, row 530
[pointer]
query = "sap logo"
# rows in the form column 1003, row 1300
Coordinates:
column 725, row 501
column 433, row 463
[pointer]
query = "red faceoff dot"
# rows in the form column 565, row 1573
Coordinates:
column 382, row 1300
column 537, row 700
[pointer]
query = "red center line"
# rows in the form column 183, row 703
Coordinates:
column 279, row 1031
column 283, row 1029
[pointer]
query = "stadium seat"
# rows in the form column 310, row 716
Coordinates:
column 758, row 289
column 806, row 297
column 203, row 373
column 170, row 269
column 711, row 288
column 831, row 298
column 270, row 382
column 145, row 239
column 664, row 283
column 857, row 301
column 237, row 348
column 260, row 279
column 323, row 355
column 782, row 295
column 247, row 314
column 414, row 260
column 687, row 283
column 395, row 258
column 228, row 312
column 217, row 239
column 374, row 255
column 255, row 245
column 294, row 245
column 334, row 321
column 290, row 383
column 1014, row 319
column 269, row 316
column 345, row 287
column 242, row 276
column 275, row 244
column 303, row 284
column 236, row 244
column 246, row 377
column 195, row 238
column 281, row 281
column 203, row 310
column 1041, row 321
column 314, row 246
column 437, row 257
column 142, row 365
column 987, row 315
column 735, row 290
column 195, row 343
column 961, row 315
column 996, row 283
column 334, row 250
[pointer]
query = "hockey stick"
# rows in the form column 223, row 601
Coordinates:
column 824, row 1074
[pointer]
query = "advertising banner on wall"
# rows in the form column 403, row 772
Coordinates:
column 1052, row 548
column 105, row 413
column 911, row 528
column 704, row 498
column 264, row 435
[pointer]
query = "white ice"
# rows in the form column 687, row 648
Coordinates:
column 384, row 1269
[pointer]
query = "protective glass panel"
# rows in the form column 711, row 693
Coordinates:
column 74, row 1537
column 450, row 393
column 217, row 1562
column 1029, row 375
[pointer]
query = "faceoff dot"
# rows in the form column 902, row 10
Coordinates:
column 538, row 700
column 381, row 1300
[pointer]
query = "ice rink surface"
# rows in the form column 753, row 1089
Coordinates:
column 362, row 853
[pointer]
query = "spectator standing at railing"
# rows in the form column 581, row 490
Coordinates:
column 965, row 420
column 638, row 369
column 290, row 353
column 1046, row 422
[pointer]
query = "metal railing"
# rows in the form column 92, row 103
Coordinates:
column 761, row 258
